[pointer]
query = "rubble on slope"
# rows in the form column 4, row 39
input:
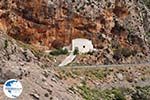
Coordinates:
column 36, row 74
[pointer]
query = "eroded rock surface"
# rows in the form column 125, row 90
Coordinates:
column 113, row 25
column 44, row 21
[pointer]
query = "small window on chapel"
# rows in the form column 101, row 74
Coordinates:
column 84, row 46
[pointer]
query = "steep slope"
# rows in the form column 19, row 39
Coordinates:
column 38, row 82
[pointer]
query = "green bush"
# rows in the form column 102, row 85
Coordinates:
column 148, row 33
column 118, row 94
column 147, row 3
column 59, row 52
column 141, row 93
column 97, row 94
column 6, row 44
column 90, row 93
column 123, row 52
column 126, row 52
column 115, row 44
column 76, row 51
column 117, row 55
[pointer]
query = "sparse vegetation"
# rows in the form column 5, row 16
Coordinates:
column 148, row 33
column 6, row 44
column 126, row 52
column 147, row 3
column 97, row 94
column 98, row 74
column 141, row 93
column 59, row 52
column 34, row 50
column 117, row 55
column 148, row 37
column 115, row 44
column 76, row 51
column 123, row 52
column 114, row 94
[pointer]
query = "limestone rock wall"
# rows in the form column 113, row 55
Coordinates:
column 42, row 22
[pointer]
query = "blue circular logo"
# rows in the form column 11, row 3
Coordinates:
column 12, row 88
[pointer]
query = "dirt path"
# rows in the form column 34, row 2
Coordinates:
column 113, row 65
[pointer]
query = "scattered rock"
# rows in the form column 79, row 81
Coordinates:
column 119, row 76
column 35, row 96
column 54, row 79
column 46, row 95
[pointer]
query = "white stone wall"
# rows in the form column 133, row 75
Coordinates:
column 83, row 45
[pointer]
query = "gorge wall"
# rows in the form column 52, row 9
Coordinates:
column 50, row 24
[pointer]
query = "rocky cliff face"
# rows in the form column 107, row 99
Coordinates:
column 114, row 26
column 44, row 22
